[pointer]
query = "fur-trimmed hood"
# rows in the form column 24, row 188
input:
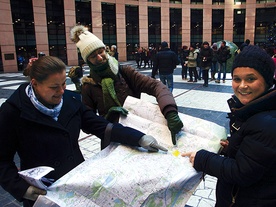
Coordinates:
column 88, row 80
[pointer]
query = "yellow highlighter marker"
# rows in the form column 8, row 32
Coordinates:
column 176, row 153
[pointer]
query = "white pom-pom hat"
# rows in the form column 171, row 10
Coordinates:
column 85, row 41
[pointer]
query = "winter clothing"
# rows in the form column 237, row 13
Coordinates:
column 192, row 58
column 165, row 61
column 247, row 172
column 252, row 57
column 39, row 140
column 223, row 54
column 183, row 58
column 243, row 45
column 128, row 83
column 214, row 68
column 107, row 88
column 85, row 41
column 206, row 55
column 76, row 79
column 251, row 174
column 192, row 64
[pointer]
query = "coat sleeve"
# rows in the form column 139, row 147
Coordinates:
column 254, row 160
column 145, row 84
column 9, row 178
column 91, row 123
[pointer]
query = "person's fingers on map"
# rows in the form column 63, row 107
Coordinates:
column 32, row 193
column 224, row 142
column 191, row 156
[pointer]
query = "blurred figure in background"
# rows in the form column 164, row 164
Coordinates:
column 184, row 53
column 214, row 67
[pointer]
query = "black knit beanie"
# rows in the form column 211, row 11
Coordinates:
column 257, row 58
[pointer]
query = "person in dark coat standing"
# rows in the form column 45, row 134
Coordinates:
column 214, row 67
column 165, row 62
column 243, row 45
column 41, row 121
column 184, row 53
column 247, row 171
column 223, row 55
column 205, row 55
column 108, row 85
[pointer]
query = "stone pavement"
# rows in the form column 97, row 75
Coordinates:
column 192, row 99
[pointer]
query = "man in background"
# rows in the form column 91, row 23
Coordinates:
column 166, row 61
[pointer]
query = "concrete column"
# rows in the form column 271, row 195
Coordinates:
column 165, row 21
column 70, row 21
column 121, row 29
column 228, row 20
column 40, row 25
column 186, row 22
column 143, row 23
column 207, row 21
column 250, row 17
column 7, row 43
column 97, row 25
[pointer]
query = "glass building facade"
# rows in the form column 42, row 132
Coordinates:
column 29, row 27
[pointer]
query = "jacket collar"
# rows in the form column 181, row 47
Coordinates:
column 21, row 101
column 266, row 102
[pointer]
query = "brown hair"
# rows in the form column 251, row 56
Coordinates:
column 45, row 66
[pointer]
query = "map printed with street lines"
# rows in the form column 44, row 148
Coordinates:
column 124, row 176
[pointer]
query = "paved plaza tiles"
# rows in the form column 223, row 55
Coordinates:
column 193, row 99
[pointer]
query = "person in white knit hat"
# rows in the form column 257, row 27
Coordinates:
column 108, row 85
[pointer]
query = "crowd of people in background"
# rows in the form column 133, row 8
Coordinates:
column 145, row 56
column 196, row 60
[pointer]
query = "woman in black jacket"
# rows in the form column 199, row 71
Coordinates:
column 247, row 173
column 41, row 121
column 205, row 55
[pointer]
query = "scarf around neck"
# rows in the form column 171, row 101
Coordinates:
column 105, row 74
column 54, row 112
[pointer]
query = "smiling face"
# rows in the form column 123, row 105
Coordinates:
column 248, row 84
column 98, row 57
column 49, row 92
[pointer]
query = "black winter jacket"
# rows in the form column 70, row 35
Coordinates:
column 206, row 55
column 224, row 54
column 39, row 140
column 165, row 61
column 248, row 172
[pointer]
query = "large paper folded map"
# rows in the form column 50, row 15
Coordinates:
column 132, row 177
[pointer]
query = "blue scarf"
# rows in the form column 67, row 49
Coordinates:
column 54, row 112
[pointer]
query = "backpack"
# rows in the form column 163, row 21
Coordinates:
column 72, row 72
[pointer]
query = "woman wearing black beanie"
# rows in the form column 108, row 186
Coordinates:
column 247, row 171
